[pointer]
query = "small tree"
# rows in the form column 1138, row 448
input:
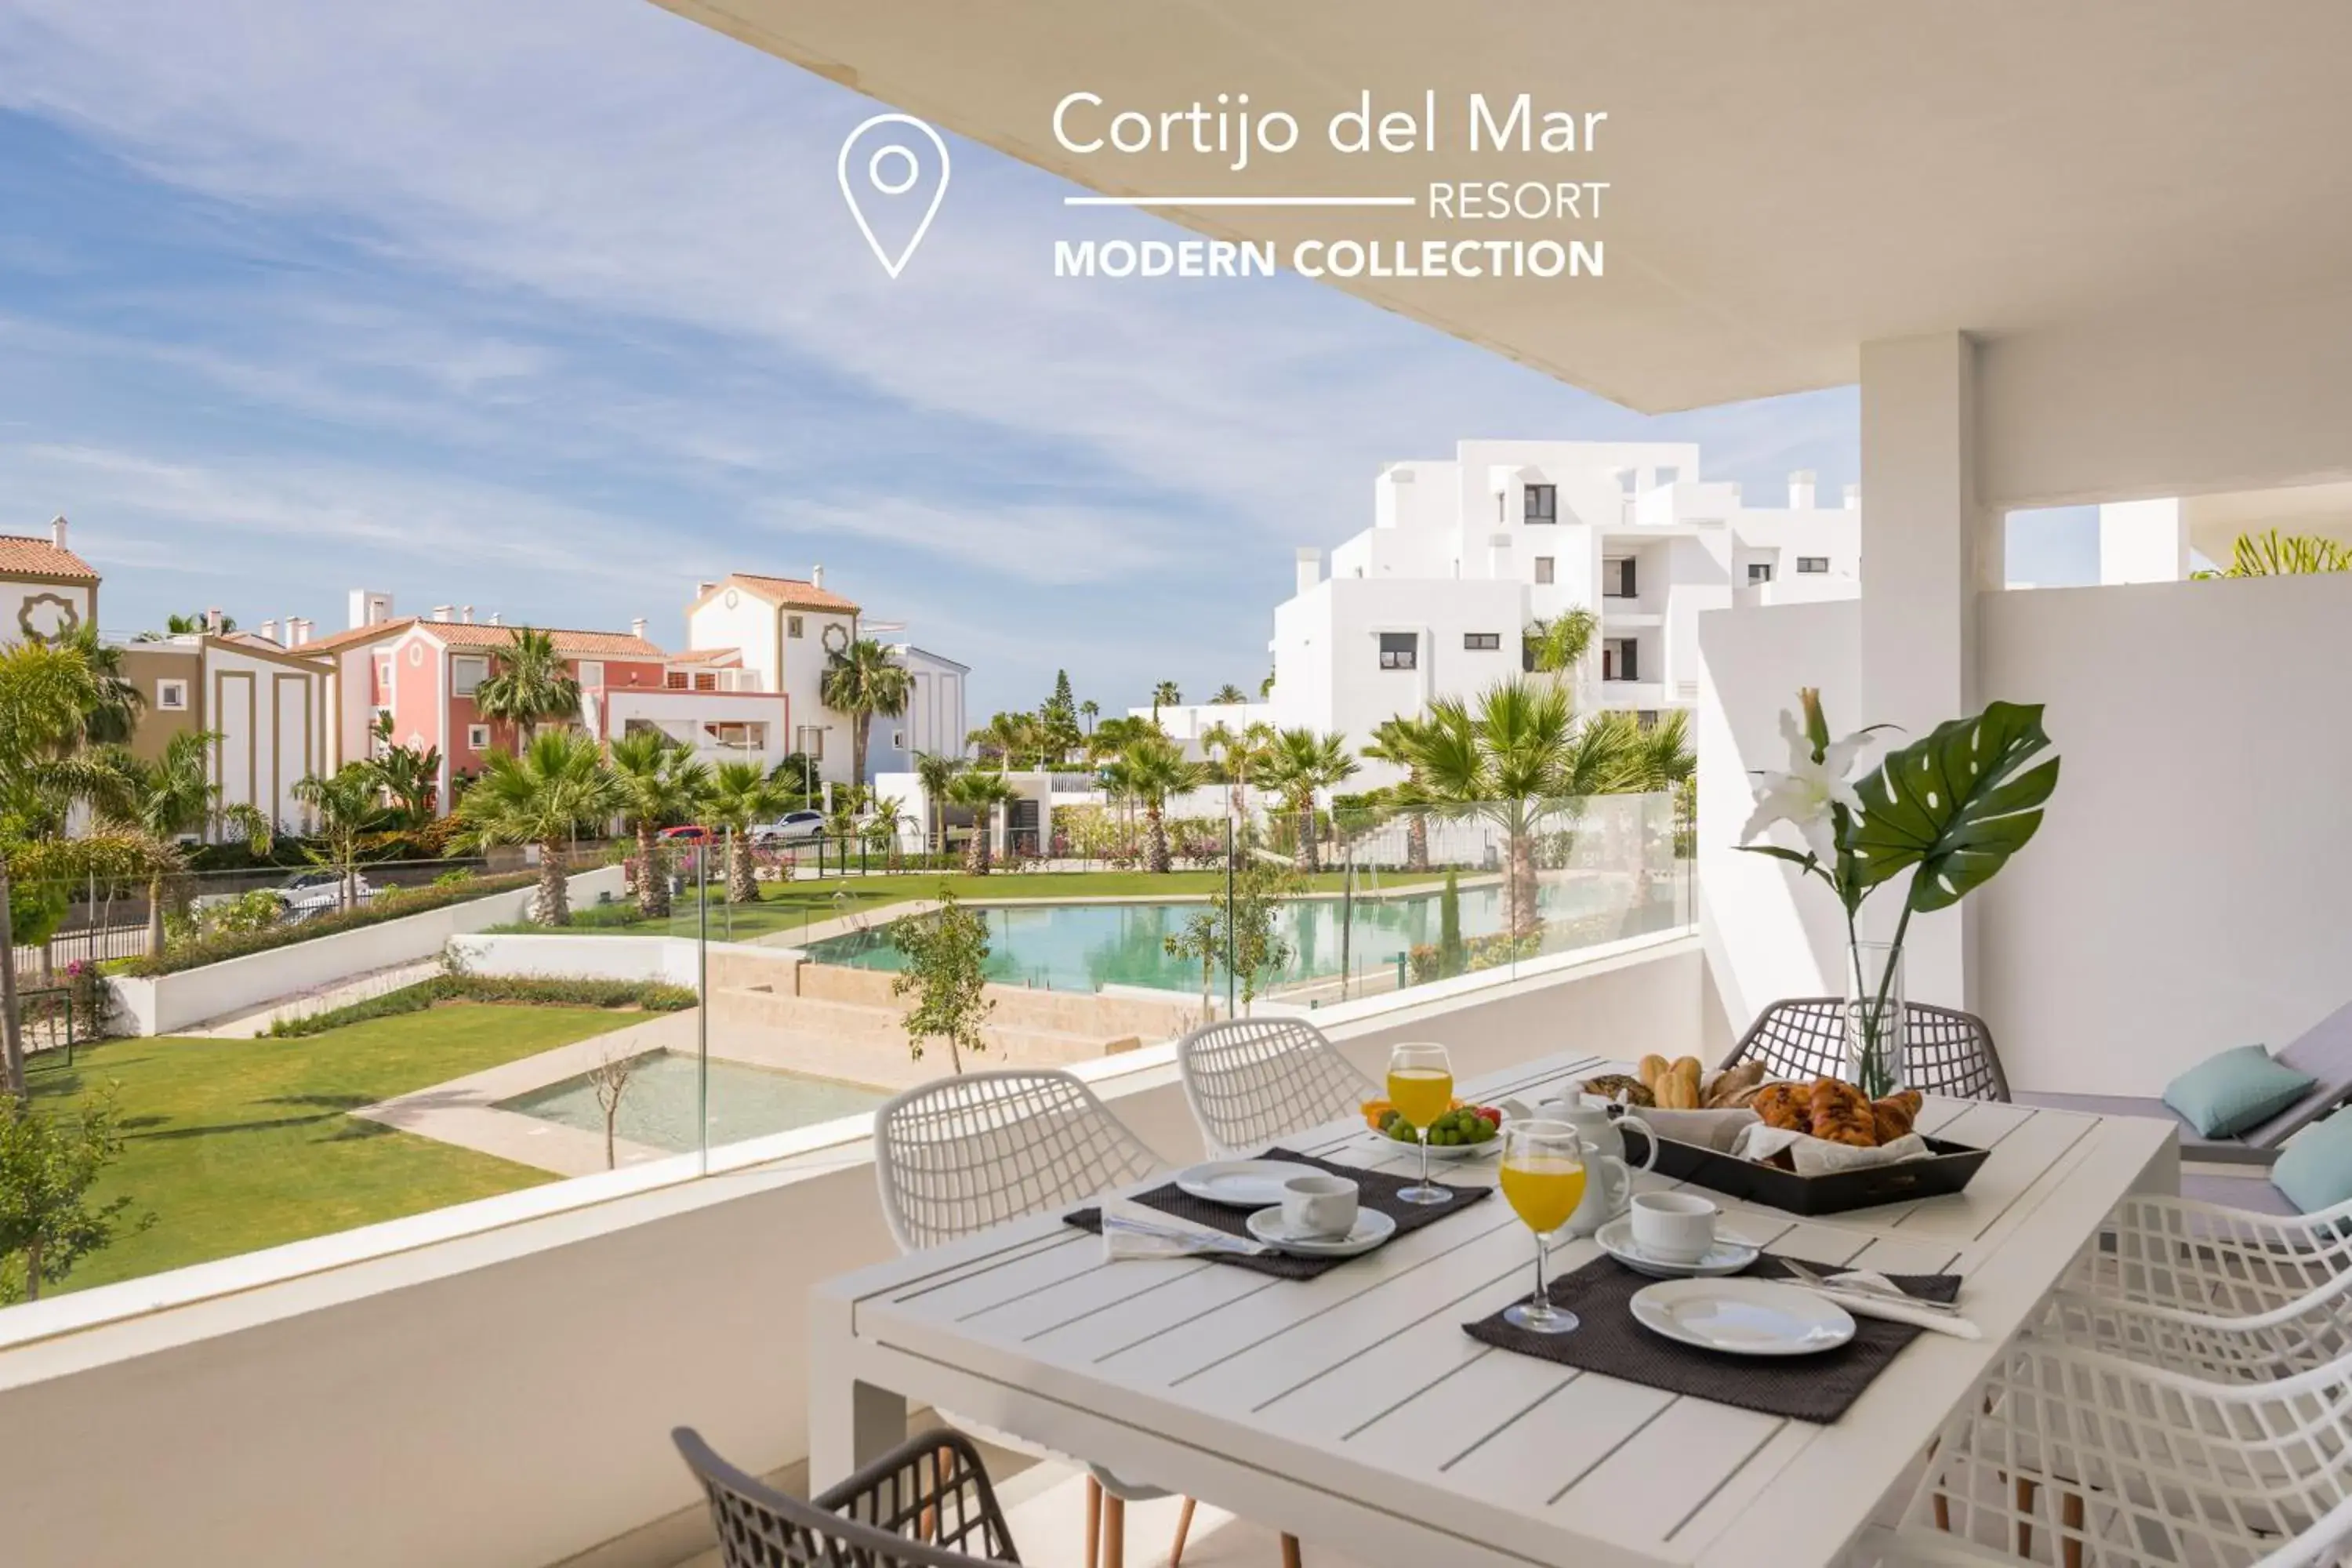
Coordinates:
column 945, row 954
column 48, row 1162
column 349, row 805
column 1259, row 950
column 1201, row 939
column 609, row 1077
column 1451, row 959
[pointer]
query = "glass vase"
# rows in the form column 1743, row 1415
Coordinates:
column 1876, row 1021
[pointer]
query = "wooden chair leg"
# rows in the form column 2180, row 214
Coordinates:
column 1114, row 1532
column 1094, row 1519
column 2025, row 1494
column 1290, row 1551
column 2070, row 1519
column 1183, row 1528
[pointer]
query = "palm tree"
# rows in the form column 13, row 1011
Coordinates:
column 662, row 783
column 981, row 793
column 1557, row 647
column 1005, row 739
column 531, row 683
column 1660, row 757
column 1394, row 741
column 174, row 796
column 1151, row 769
column 2276, row 554
column 884, row 820
column 861, row 681
column 1090, row 710
column 543, row 796
column 1296, row 765
column 739, row 795
column 1229, row 693
column 1165, row 695
column 112, row 710
column 935, row 773
column 48, row 692
column 1516, row 759
column 411, row 777
column 349, row 805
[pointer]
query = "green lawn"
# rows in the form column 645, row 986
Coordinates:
column 239, row 1145
column 794, row 906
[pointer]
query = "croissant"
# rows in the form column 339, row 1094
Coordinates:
column 1842, row 1115
column 1784, row 1105
column 1894, row 1115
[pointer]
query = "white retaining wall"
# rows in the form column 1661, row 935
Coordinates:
column 167, row 1003
column 670, row 959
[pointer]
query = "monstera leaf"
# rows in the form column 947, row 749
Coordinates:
column 1956, row 803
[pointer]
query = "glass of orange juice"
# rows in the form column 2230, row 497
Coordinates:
column 1421, row 1087
column 1543, row 1178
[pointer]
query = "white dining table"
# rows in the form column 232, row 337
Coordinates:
column 1352, row 1409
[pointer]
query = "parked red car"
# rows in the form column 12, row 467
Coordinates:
column 691, row 833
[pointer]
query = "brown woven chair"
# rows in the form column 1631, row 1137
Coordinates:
column 926, row 1504
column 1944, row 1052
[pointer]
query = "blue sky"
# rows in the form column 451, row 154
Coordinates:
column 552, row 308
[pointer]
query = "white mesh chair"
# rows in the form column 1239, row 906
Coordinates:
column 2204, row 1257
column 2076, row 1458
column 1250, row 1081
column 2312, row 1332
column 961, row 1155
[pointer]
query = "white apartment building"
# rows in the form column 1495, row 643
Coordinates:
column 934, row 722
column 1465, row 553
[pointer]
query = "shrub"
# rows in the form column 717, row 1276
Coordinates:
column 215, row 946
column 525, row 990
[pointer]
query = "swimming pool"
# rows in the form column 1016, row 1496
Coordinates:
column 658, row 1106
column 1084, row 947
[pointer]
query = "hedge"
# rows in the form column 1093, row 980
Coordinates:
column 536, row 991
column 390, row 904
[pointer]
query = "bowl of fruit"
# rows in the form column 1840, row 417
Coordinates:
column 1464, row 1133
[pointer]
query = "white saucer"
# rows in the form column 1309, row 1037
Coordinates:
column 1742, row 1317
column 1372, row 1227
column 1241, row 1183
column 1727, row 1256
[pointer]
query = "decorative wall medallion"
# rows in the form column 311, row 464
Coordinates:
column 416, row 655
column 47, row 617
column 733, row 598
column 836, row 637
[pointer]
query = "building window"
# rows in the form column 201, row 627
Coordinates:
column 1668, row 474
column 478, row 737
column 591, row 672
column 735, row 737
column 897, row 740
column 171, row 695
column 1543, row 503
column 1398, row 650
column 809, row 742
column 466, row 673
column 1646, row 720
column 791, row 625
column 1482, row 642
column 1621, row 659
column 706, row 680
column 1758, row 572
column 1812, row 565
column 675, row 680
column 384, row 679
column 1617, row 577
column 1543, row 569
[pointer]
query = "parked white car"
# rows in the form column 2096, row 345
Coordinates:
column 307, row 893
column 793, row 827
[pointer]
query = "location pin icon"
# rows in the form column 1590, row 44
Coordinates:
column 885, row 180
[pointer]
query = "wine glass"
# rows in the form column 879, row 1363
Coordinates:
column 1421, row 1087
column 1543, row 1178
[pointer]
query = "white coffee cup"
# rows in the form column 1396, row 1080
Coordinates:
column 1673, row 1228
column 1318, row 1205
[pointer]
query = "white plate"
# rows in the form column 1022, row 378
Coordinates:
column 1728, row 1256
column 1439, row 1150
column 1241, row 1183
column 1372, row 1227
column 1742, row 1317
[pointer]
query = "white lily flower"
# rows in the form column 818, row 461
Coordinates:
column 1803, row 795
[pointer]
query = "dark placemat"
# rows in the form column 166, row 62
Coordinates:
column 1803, row 1388
column 1374, row 1190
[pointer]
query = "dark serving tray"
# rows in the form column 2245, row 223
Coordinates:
column 1946, row 1171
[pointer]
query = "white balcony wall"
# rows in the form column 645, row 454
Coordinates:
column 504, row 1400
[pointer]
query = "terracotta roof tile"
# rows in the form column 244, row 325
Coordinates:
column 483, row 635
column 793, row 590
column 39, row 558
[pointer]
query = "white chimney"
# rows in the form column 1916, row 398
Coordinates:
column 817, row 575
column 1854, row 498
column 1800, row 490
column 213, row 622
column 443, row 612
column 369, row 608
column 498, row 617
column 58, row 531
column 1310, row 567
column 298, row 631
column 702, row 588
column 465, row 614
column 269, row 629
column 637, row 628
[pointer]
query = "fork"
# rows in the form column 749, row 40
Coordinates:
column 1814, row 1279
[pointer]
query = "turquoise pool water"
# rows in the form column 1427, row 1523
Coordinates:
column 1084, row 947
column 657, row 1108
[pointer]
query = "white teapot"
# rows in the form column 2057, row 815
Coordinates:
column 1608, row 1179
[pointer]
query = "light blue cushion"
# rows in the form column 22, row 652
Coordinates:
column 2314, row 1170
column 2232, row 1091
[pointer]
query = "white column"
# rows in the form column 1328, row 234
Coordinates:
column 1926, row 551
column 2143, row 542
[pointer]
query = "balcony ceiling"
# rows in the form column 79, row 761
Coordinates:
column 1789, row 179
